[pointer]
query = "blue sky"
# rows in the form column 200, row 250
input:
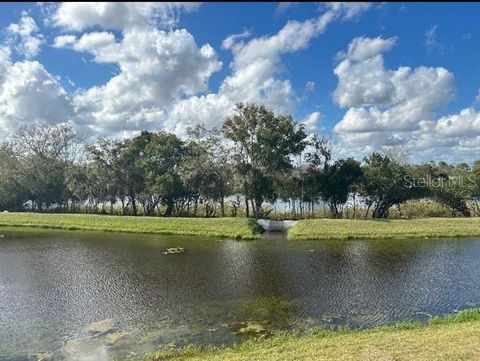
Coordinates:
column 404, row 75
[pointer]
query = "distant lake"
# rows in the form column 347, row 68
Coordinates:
column 54, row 284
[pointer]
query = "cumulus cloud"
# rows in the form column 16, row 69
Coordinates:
column 231, row 40
column 386, row 107
column 464, row 124
column 28, row 94
column 79, row 16
column 257, row 69
column 362, row 48
column 157, row 68
column 162, row 79
column 381, row 99
column 25, row 36
column 311, row 121
column 62, row 41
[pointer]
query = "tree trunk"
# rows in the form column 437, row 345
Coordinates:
column 247, row 209
column 222, row 206
column 381, row 211
column 354, row 207
column 258, row 207
column 368, row 210
column 134, row 205
column 169, row 210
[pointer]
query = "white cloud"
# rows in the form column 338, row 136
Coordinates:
column 431, row 42
column 157, row 69
column 464, row 124
column 350, row 10
column 399, row 108
column 79, row 16
column 362, row 48
column 477, row 98
column 162, row 79
column 383, row 99
column 283, row 6
column 257, row 70
column 28, row 94
column 311, row 121
column 231, row 40
column 25, row 36
column 4, row 62
column 62, row 41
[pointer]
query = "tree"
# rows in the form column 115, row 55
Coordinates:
column 104, row 173
column 263, row 144
column 205, row 170
column 385, row 184
column 45, row 152
column 159, row 163
column 451, row 185
column 313, row 179
column 338, row 181
column 13, row 191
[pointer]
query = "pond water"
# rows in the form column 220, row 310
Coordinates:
column 54, row 284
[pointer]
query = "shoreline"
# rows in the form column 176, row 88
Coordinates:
column 237, row 228
column 448, row 337
column 355, row 229
column 247, row 229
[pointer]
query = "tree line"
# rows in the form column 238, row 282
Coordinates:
column 255, row 159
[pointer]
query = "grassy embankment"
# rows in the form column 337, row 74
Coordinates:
column 384, row 229
column 450, row 338
column 240, row 228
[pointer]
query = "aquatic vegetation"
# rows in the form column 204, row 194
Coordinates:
column 101, row 327
column 452, row 337
column 112, row 338
column 252, row 327
column 174, row 250
column 43, row 356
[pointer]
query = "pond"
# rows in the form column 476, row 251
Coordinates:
column 92, row 295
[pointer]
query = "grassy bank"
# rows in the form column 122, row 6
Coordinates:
column 391, row 229
column 451, row 338
column 241, row 228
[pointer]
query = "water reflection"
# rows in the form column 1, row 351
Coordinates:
column 54, row 284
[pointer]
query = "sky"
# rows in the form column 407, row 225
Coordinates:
column 370, row 76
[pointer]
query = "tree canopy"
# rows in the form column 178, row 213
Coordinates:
column 256, row 158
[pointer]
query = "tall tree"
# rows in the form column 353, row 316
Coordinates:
column 46, row 151
column 206, row 171
column 338, row 181
column 263, row 145
column 159, row 164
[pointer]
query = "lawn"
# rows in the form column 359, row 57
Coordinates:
column 384, row 229
column 240, row 228
column 453, row 338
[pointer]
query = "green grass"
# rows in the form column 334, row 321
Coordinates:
column 384, row 229
column 240, row 228
column 451, row 338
